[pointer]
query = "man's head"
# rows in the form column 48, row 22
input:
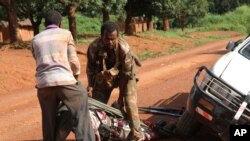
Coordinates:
column 109, row 34
column 53, row 17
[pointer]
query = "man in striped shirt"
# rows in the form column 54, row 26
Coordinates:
column 57, row 70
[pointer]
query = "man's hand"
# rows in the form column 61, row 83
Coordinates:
column 89, row 91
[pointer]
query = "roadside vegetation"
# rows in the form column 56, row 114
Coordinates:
column 177, row 48
column 88, row 29
column 200, row 16
column 237, row 20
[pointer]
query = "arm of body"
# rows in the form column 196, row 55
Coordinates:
column 72, row 57
column 127, row 70
column 91, row 67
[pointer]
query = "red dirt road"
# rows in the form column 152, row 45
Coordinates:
column 164, row 81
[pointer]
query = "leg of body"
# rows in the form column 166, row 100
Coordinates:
column 76, row 100
column 48, row 102
column 128, row 90
column 64, row 124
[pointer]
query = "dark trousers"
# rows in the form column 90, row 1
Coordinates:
column 76, row 100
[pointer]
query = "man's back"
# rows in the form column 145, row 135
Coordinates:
column 54, row 53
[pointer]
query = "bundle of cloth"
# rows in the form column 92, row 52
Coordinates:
column 110, row 123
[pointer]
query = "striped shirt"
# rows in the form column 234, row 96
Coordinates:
column 56, row 58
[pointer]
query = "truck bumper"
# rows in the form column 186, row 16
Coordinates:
column 217, row 118
column 209, row 109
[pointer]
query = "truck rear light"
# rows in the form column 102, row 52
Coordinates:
column 206, row 104
column 203, row 113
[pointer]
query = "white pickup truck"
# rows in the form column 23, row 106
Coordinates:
column 221, row 94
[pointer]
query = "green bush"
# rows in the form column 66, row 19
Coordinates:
column 85, row 24
column 237, row 20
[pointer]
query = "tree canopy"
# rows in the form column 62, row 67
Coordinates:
column 175, row 13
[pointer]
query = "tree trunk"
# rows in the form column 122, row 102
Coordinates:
column 36, row 24
column 150, row 23
column 14, row 33
column 165, row 24
column 72, row 19
column 105, row 15
column 182, row 21
column 36, row 28
column 128, row 25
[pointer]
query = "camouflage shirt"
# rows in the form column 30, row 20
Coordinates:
column 95, row 56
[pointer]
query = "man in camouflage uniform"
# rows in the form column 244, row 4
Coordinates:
column 111, row 64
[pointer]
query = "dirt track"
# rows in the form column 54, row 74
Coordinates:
column 164, row 81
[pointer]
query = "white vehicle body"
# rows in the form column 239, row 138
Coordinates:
column 234, row 67
column 220, row 96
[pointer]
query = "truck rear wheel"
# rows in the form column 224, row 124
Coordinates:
column 187, row 125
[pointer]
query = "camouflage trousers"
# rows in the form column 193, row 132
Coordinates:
column 127, row 98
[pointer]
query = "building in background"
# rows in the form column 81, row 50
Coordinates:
column 25, row 29
column 138, row 24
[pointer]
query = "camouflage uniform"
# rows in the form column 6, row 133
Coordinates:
column 118, row 63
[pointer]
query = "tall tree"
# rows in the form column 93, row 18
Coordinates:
column 112, row 6
column 105, row 11
column 223, row 6
column 3, row 14
column 9, row 6
column 34, row 11
column 196, row 9
column 138, row 8
column 71, row 8
column 181, row 12
column 164, row 9
column 189, row 12
column 104, row 7
column 129, row 12
column 244, row 1
column 144, row 8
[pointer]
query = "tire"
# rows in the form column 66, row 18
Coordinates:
column 186, row 126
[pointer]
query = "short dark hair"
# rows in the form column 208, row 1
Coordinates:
column 52, row 17
column 109, row 27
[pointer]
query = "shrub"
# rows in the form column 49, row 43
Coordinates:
column 236, row 20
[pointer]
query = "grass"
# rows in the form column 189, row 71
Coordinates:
column 145, row 55
column 84, row 40
column 232, row 21
column 173, row 33
column 237, row 20
column 150, row 54
column 174, row 49
column 177, row 34
column 210, row 39
column 90, row 25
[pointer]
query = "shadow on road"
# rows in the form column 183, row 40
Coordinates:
column 219, row 52
column 178, row 101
